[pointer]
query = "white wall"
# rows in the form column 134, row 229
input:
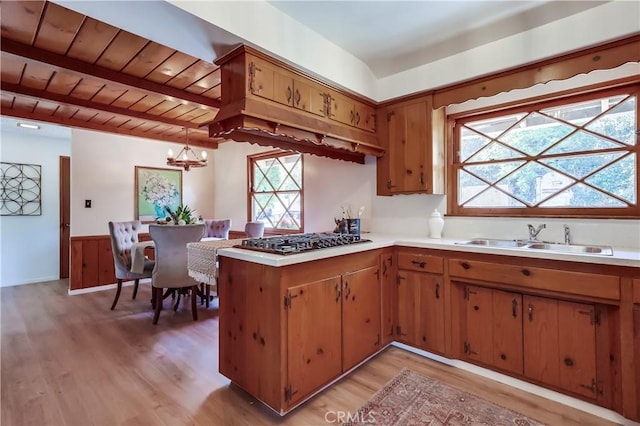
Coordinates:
column 102, row 170
column 29, row 245
column 328, row 185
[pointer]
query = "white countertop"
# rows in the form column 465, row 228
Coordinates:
column 620, row 257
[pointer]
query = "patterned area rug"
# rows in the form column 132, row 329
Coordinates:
column 412, row 399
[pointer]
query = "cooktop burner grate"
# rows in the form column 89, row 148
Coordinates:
column 296, row 243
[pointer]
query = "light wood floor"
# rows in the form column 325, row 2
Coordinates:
column 69, row 360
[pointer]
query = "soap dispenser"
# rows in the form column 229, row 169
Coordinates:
column 436, row 223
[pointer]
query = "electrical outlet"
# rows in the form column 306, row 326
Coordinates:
column 87, row 204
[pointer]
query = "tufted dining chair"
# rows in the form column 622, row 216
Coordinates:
column 171, row 270
column 218, row 228
column 123, row 235
column 254, row 229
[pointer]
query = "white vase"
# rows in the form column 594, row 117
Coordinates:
column 436, row 223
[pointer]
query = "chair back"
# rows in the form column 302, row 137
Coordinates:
column 254, row 229
column 171, row 241
column 123, row 236
column 218, row 228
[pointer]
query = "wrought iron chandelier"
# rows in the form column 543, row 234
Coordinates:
column 186, row 158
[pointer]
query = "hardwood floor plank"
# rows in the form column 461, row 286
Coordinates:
column 69, row 360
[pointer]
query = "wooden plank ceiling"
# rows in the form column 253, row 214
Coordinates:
column 59, row 66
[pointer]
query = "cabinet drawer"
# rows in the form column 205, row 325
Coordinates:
column 578, row 283
column 417, row 261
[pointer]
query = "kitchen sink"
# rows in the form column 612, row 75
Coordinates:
column 491, row 242
column 572, row 248
column 563, row 248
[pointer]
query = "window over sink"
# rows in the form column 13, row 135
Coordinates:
column 570, row 156
column 276, row 190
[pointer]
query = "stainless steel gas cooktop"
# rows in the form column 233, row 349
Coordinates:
column 297, row 243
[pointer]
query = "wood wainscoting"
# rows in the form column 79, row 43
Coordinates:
column 92, row 260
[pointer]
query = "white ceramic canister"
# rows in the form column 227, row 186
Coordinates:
column 436, row 223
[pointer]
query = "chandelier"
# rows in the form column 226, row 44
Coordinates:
column 186, row 158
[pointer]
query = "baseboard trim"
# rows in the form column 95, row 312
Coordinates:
column 103, row 287
column 525, row 386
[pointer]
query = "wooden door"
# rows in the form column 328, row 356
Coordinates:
column 408, row 285
column 65, row 215
column 389, row 296
column 360, row 316
column 309, row 97
column 541, row 339
column 507, row 331
column 365, row 117
column 408, row 137
column 261, row 79
column 313, row 337
column 577, row 347
column 342, row 109
column 478, row 344
column 282, row 88
column 431, row 313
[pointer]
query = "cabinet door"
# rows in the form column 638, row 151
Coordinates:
column 478, row 344
column 389, row 296
column 507, row 331
column 342, row 109
column 309, row 97
column 365, row 117
column 313, row 337
column 560, row 344
column 541, row 328
column 283, row 89
column 261, row 79
column 408, row 137
column 577, row 346
column 431, row 313
column 408, row 284
column 360, row 315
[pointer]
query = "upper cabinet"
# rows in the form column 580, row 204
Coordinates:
column 268, row 102
column 413, row 134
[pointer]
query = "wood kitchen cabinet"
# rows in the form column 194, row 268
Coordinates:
column 412, row 133
column 389, row 295
column 560, row 343
column 493, row 332
column 420, row 321
column 314, row 341
column 545, row 338
column 274, row 83
column 286, row 332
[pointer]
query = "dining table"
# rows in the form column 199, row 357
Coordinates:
column 202, row 259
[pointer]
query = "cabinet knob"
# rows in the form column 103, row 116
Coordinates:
column 526, row 272
column 568, row 362
column 465, row 265
column 476, row 308
column 503, row 357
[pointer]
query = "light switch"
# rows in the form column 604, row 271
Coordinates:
column 87, row 204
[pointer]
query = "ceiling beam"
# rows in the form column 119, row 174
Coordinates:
column 37, row 94
column 84, row 69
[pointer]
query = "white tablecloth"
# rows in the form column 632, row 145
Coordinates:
column 203, row 261
column 138, row 257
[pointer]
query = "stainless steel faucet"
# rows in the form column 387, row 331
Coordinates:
column 567, row 234
column 533, row 232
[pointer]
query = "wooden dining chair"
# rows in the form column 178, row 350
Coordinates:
column 123, row 236
column 171, row 267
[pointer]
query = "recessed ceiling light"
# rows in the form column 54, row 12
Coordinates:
column 29, row 126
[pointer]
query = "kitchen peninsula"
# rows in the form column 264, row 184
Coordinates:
column 290, row 325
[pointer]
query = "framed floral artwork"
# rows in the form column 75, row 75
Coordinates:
column 155, row 190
